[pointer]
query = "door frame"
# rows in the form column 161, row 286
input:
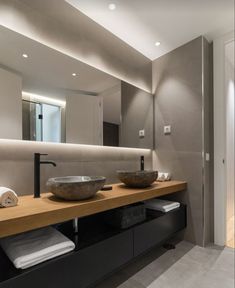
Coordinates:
column 220, row 185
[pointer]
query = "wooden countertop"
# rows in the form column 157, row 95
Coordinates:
column 34, row 213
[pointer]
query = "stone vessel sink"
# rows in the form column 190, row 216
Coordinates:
column 137, row 179
column 75, row 187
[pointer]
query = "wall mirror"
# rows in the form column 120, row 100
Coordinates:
column 46, row 95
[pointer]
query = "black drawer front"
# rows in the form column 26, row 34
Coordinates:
column 154, row 232
column 78, row 269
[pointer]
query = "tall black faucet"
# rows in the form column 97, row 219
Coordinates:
column 141, row 163
column 37, row 164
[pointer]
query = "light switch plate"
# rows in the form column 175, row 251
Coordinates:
column 141, row 133
column 167, row 130
column 207, row 157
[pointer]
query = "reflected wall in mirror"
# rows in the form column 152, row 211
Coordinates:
column 49, row 96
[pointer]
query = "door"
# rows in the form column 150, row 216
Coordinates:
column 41, row 122
column 84, row 120
column 51, row 123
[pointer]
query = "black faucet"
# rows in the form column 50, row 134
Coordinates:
column 141, row 163
column 37, row 164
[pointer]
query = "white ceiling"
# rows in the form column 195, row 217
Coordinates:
column 172, row 22
column 47, row 70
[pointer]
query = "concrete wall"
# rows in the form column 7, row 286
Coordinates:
column 16, row 162
column 10, row 105
column 137, row 114
column 178, row 86
column 58, row 25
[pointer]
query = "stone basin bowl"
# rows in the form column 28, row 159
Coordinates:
column 75, row 187
column 137, row 179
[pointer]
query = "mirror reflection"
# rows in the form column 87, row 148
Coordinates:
column 42, row 121
column 48, row 96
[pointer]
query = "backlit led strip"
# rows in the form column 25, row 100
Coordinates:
column 43, row 99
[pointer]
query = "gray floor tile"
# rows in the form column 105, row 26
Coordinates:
column 187, row 266
column 215, row 279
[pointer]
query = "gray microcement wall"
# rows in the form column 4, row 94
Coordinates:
column 181, row 96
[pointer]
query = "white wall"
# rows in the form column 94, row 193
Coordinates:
column 10, row 105
column 84, row 120
column 229, row 86
column 220, row 138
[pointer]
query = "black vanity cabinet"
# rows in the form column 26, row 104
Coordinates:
column 100, row 250
column 77, row 269
column 161, row 227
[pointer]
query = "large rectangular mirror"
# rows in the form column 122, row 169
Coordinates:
column 48, row 96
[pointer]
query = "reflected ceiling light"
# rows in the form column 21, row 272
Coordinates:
column 157, row 43
column 25, row 55
column 42, row 99
column 112, row 6
column 74, row 74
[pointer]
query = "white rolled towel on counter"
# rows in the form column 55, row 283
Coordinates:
column 161, row 205
column 31, row 248
column 162, row 177
column 8, row 197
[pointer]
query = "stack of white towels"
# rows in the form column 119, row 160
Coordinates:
column 31, row 248
column 8, row 197
column 161, row 205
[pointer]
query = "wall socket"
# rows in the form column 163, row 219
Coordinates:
column 167, row 130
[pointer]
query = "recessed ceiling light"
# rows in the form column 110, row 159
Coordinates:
column 112, row 6
column 25, row 55
column 157, row 43
column 74, row 74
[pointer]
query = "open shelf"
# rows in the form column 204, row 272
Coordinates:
column 94, row 228
column 100, row 249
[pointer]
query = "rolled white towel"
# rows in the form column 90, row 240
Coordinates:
column 31, row 248
column 163, row 177
column 8, row 197
column 161, row 205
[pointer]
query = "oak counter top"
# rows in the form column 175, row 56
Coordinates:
column 34, row 213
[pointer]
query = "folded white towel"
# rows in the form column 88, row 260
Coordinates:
column 161, row 205
column 30, row 248
column 8, row 197
column 163, row 176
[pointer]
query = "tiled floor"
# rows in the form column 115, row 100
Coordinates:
column 187, row 266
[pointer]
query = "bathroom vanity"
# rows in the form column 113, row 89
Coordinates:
column 100, row 248
column 34, row 213
column 70, row 102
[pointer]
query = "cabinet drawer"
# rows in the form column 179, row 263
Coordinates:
column 77, row 269
column 159, row 229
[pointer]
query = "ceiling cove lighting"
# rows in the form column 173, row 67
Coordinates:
column 42, row 99
column 157, row 43
column 24, row 55
column 112, row 6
